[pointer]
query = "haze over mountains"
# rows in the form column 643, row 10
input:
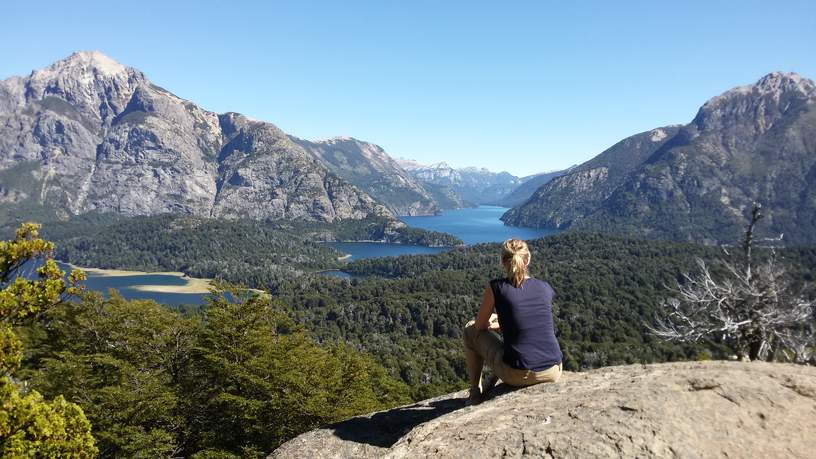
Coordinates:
column 698, row 181
column 476, row 185
column 90, row 134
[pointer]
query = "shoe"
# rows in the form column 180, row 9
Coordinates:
column 489, row 383
column 475, row 396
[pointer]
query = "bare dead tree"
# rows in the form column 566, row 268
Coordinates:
column 752, row 307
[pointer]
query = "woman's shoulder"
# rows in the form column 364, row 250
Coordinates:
column 544, row 285
column 538, row 283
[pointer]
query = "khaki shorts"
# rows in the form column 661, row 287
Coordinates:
column 490, row 347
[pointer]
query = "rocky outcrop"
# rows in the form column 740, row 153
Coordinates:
column 369, row 168
column 90, row 134
column 698, row 181
column 689, row 409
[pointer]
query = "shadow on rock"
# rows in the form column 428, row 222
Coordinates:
column 383, row 429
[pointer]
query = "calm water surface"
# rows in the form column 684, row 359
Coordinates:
column 124, row 285
column 360, row 250
column 473, row 226
column 476, row 225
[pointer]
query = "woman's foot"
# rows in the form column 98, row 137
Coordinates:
column 477, row 395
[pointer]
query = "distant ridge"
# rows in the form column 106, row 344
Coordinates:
column 369, row 168
column 473, row 185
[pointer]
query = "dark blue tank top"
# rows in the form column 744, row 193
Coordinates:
column 525, row 317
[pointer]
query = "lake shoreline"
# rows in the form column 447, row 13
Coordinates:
column 193, row 285
column 383, row 241
column 472, row 226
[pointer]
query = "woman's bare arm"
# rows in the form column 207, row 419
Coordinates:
column 486, row 319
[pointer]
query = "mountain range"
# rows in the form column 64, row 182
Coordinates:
column 368, row 167
column 475, row 186
column 90, row 134
column 698, row 181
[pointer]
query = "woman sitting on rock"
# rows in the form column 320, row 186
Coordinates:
column 520, row 307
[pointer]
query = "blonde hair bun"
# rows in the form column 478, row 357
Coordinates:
column 515, row 258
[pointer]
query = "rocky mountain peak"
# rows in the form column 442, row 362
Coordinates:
column 96, row 135
column 89, row 80
column 753, row 143
column 782, row 82
column 341, row 138
column 409, row 164
column 758, row 105
column 94, row 62
column 369, row 150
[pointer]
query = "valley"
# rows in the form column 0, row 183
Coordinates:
column 469, row 225
column 336, row 266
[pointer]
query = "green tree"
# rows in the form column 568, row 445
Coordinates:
column 259, row 379
column 122, row 360
column 31, row 426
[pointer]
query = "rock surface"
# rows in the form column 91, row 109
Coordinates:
column 90, row 134
column 698, row 181
column 687, row 409
column 565, row 201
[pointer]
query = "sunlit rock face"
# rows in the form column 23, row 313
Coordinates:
column 694, row 409
column 90, row 134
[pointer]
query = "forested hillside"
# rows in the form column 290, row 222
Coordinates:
column 233, row 380
column 410, row 312
column 242, row 251
column 220, row 379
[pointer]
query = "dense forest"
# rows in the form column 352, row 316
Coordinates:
column 218, row 379
column 410, row 310
column 235, row 380
column 242, row 251
column 232, row 380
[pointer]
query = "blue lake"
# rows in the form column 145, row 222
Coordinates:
column 473, row 226
column 476, row 225
column 124, row 285
column 360, row 250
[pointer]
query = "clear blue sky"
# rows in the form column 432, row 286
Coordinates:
column 517, row 86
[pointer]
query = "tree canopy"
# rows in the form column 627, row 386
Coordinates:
column 30, row 425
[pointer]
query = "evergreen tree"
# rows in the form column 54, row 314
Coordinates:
column 31, row 426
